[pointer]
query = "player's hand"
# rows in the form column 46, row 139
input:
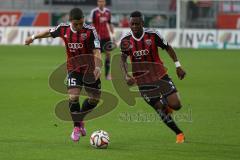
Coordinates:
column 97, row 72
column 180, row 73
column 28, row 41
column 130, row 80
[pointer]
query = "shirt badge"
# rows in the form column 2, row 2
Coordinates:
column 148, row 42
column 84, row 36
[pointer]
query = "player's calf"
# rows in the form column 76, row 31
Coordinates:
column 88, row 105
column 166, row 117
column 107, row 65
column 74, row 108
column 74, row 105
column 93, row 101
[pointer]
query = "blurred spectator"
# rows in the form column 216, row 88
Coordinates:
column 199, row 9
column 63, row 19
column 204, row 8
column 158, row 21
column 172, row 17
column 192, row 10
column 204, row 3
column 172, row 6
column 124, row 22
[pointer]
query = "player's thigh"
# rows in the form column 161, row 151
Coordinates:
column 174, row 101
column 170, row 93
column 149, row 95
column 74, row 85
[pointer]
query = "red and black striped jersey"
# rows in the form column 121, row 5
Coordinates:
column 101, row 19
column 79, row 46
column 147, row 66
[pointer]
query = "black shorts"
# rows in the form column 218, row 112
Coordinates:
column 106, row 44
column 79, row 80
column 152, row 93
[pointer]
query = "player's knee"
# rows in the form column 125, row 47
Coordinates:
column 176, row 105
column 74, row 97
column 93, row 101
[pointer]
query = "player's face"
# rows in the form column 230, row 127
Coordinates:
column 77, row 24
column 136, row 25
column 101, row 3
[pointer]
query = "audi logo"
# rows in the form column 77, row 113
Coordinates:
column 75, row 45
column 140, row 53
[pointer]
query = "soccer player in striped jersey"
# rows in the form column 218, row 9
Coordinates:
column 83, row 65
column 101, row 20
column 148, row 70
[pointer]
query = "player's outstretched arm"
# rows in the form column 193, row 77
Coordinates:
column 129, row 79
column 98, row 63
column 44, row 34
column 180, row 72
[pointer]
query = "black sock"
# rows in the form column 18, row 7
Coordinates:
column 74, row 107
column 107, row 67
column 167, row 119
column 86, row 108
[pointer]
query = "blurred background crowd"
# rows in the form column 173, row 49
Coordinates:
column 157, row 14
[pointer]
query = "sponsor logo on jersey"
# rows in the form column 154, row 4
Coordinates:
column 139, row 54
column 75, row 45
column 103, row 19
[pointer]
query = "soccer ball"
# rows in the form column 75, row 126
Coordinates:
column 99, row 139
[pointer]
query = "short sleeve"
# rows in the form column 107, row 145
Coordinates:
column 92, row 17
column 94, row 39
column 55, row 32
column 160, row 41
column 125, row 47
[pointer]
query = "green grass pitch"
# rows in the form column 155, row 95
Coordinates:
column 30, row 130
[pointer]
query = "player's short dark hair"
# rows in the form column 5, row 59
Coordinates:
column 136, row 14
column 76, row 14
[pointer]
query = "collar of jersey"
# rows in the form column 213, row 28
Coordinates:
column 138, row 39
column 102, row 11
column 72, row 28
